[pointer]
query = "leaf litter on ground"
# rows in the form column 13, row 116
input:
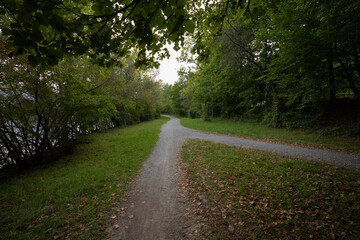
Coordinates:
column 255, row 194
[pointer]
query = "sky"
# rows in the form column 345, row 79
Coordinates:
column 169, row 67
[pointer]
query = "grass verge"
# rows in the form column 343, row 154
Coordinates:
column 73, row 197
column 259, row 195
column 281, row 135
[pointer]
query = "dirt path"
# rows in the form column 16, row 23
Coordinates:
column 158, row 208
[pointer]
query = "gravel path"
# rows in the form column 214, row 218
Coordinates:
column 157, row 207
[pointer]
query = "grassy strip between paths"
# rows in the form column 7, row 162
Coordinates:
column 73, row 197
column 281, row 135
column 258, row 195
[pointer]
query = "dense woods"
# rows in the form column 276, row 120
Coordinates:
column 69, row 68
column 286, row 63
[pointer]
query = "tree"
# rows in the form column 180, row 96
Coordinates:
column 285, row 62
column 105, row 30
column 43, row 113
column 177, row 98
column 166, row 106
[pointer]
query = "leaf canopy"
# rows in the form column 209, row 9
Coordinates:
column 103, row 29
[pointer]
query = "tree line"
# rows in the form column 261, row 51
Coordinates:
column 291, row 63
column 69, row 68
column 44, row 113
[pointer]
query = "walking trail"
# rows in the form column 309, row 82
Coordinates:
column 158, row 207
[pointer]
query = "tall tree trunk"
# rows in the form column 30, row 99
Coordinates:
column 356, row 62
column 348, row 76
column 331, row 76
column 275, row 108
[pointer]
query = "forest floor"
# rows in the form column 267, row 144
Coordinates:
column 158, row 205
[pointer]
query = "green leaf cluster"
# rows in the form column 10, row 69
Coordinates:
column 102, row 29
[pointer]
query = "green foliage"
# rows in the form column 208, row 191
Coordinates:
column 75, row 196
column 254, row 194
column 194, row 113
column 165, row 105
column 177, row 98
column 272, row 62
column 43, row 112
column 104, row 30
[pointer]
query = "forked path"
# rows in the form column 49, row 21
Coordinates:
column 158, row 209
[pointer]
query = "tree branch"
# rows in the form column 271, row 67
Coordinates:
column 251, row 58
column 102, row 84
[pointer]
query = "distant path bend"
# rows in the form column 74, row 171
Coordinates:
column 156, row 208
column 316, row 154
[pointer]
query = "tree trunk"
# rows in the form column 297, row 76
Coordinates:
column 348, row 76
column 356, row 62
column 331, row 77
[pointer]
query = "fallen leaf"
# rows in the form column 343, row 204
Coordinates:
column 116, row 226
column 113, row 216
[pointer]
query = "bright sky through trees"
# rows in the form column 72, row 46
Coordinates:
column 169, row 67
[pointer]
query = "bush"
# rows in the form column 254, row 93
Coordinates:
column 193, row 113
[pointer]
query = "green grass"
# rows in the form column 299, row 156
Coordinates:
column 281, row 135
column 73, row 197
column 259, row 195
